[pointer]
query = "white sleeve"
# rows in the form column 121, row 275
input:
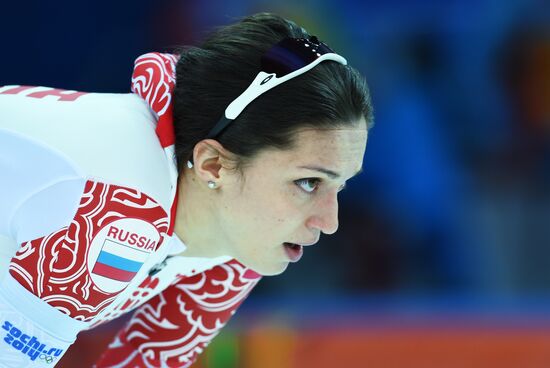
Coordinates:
column 39, row 188
column 34, row 334
column 39, row 193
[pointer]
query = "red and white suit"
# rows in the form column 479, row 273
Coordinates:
column 87, row 203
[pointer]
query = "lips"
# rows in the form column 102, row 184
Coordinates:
column 293, row 251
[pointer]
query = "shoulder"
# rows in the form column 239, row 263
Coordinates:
column 110, row 137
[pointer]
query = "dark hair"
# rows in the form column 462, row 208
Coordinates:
column 209, row 77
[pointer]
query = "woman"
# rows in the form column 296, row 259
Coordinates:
column 259, row 129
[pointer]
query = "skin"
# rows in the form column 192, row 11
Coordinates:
column 275, row 200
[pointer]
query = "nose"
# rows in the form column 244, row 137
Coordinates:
column 325, row 215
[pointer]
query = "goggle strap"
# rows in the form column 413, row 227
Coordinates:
column 261, row 84
column 219, row 127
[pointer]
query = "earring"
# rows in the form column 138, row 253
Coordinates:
column 189, row 164
column 211, row 184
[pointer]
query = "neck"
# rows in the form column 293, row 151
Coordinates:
column 196, row 220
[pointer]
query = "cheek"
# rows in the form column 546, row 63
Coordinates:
column 271, row 211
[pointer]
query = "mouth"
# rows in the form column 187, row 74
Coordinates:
column 293, row 251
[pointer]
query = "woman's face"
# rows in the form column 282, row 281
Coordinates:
column 289, row 197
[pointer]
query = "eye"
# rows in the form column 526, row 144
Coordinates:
column 308, row 185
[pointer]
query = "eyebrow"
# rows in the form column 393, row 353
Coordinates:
column 329, row 173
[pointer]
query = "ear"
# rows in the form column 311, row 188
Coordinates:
column 210, row 157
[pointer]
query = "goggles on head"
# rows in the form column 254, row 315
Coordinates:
column 287, row 59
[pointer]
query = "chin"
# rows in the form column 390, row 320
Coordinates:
column 271, row 269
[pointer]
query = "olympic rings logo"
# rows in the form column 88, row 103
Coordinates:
column 46, row 358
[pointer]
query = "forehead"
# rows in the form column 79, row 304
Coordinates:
column 339, row 149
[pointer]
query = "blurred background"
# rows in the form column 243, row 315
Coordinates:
column 442, row 256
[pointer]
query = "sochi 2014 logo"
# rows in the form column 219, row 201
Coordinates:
column 29, row 345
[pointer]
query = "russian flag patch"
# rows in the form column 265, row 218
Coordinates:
column 118, row 252
column 118, row 261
